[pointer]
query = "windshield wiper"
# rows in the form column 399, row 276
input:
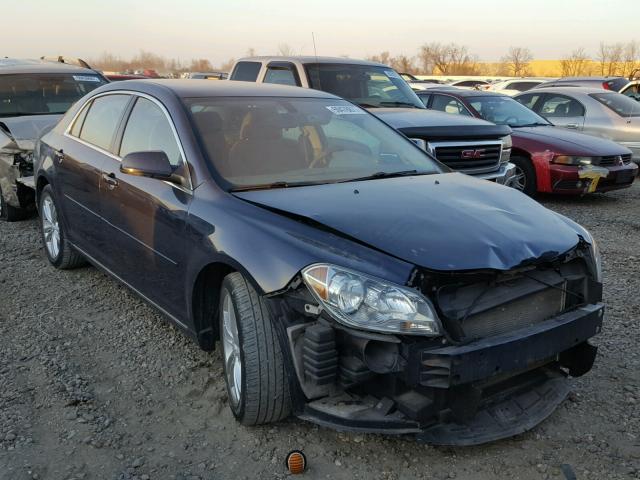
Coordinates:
column 377, row 175
column 537, row 124
column 400, row 104
column 268, row 186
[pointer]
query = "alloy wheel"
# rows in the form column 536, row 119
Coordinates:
column 519, row 180
column 231, row 349
column 51, row 227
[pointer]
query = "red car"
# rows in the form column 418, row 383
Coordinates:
column 547, row 158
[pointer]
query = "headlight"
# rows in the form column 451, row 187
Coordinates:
column 597, row 259
column 361, row 301
column 571, row 160
column 506, row 149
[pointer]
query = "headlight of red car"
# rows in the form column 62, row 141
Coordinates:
column 572, row 160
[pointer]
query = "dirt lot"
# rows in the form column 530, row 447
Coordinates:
column 94, row 384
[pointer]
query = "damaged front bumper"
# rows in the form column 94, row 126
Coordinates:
column 444, row 393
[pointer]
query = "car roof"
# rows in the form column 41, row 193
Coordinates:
column 313, row 59
column 19, row 65
column 189, row 88
column 459, row 92
column 568, row 90
column 583, row 79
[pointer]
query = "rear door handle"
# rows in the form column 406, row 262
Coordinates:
column 110, row 179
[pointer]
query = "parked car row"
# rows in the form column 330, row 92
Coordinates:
column 321, row 236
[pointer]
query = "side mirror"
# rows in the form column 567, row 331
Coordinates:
column 154, row 164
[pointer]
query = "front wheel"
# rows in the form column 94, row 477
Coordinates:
column 254, row 365
column 525, row 176
column 59, row 252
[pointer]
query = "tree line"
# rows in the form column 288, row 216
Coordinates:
column 433, row 58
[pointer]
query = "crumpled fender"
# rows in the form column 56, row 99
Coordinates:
column 541, row 161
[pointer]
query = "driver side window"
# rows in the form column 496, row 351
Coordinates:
column 149, row 129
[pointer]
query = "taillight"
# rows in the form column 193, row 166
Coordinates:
column 606, row 85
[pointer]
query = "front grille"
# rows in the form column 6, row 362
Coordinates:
column 613, row 160
column 469, row 158
column 520, row 313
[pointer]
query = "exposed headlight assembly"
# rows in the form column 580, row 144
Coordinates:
column 571, row 160
column 597, row 259
column 365, row 302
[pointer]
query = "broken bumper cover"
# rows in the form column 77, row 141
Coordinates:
column 503, row 176
column 479, row 392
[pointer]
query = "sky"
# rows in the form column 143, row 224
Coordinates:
column 218, row 30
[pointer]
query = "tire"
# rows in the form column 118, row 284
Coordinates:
column 64, row 257
column 264, row 394
column 525, row 168
column 9, row 213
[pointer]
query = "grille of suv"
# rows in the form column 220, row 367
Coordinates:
column 479, row 157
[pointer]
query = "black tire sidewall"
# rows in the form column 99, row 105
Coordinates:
column 526, row 166
column 56, row 262
column 228, row 289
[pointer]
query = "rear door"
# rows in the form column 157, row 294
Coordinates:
column 87, row 144
column 562, row 110
column 146, row 217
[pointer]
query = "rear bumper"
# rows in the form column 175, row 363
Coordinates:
column 470, row 394
column 503, row 175
column 575, row 180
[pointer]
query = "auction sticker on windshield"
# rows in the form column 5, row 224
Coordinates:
column 345, row 110
column 85, row 78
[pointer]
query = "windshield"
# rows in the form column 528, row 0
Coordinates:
column 505, row 111
column 621, row 104
column 280, row 142
column 43, row 94
column 368, row 86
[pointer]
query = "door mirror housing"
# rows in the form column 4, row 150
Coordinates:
column 153, row 163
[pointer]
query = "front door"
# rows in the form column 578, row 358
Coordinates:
column 146, row 217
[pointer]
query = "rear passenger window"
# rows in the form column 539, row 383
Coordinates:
column 281, row 76
column 558, row 106
column 448, row 104
column 148, row 129
column 529, row 100
column 102, row 119
column 246, row 71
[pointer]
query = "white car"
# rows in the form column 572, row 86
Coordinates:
column 515, row 85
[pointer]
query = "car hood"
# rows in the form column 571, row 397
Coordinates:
column 22, row 132
column 428, row 124
column 440, row 222
column 564, row 141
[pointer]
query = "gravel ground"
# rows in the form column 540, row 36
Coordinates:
column 94, row 384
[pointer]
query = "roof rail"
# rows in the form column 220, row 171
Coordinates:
column 68, row 60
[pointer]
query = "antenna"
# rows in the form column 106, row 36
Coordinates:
column 315, row 52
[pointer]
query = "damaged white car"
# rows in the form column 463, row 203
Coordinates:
column 34, row 94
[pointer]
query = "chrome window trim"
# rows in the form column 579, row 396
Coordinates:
column 67, row 132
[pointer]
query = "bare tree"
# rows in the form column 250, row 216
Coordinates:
column 384, row 57
column 451, row 59
column 226, row 66
column 285, row 50
column 575, row 64
column 403, row 64
column 517, row 61
column 610, row 57
column 631, row 58
column 251, row 52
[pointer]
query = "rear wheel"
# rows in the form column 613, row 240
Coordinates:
column 59, row 252
column 525, row 175
column 9, row 213
column 255, row 371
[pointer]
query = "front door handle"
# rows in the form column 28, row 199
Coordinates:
column 572, row 125
column 110, row 179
